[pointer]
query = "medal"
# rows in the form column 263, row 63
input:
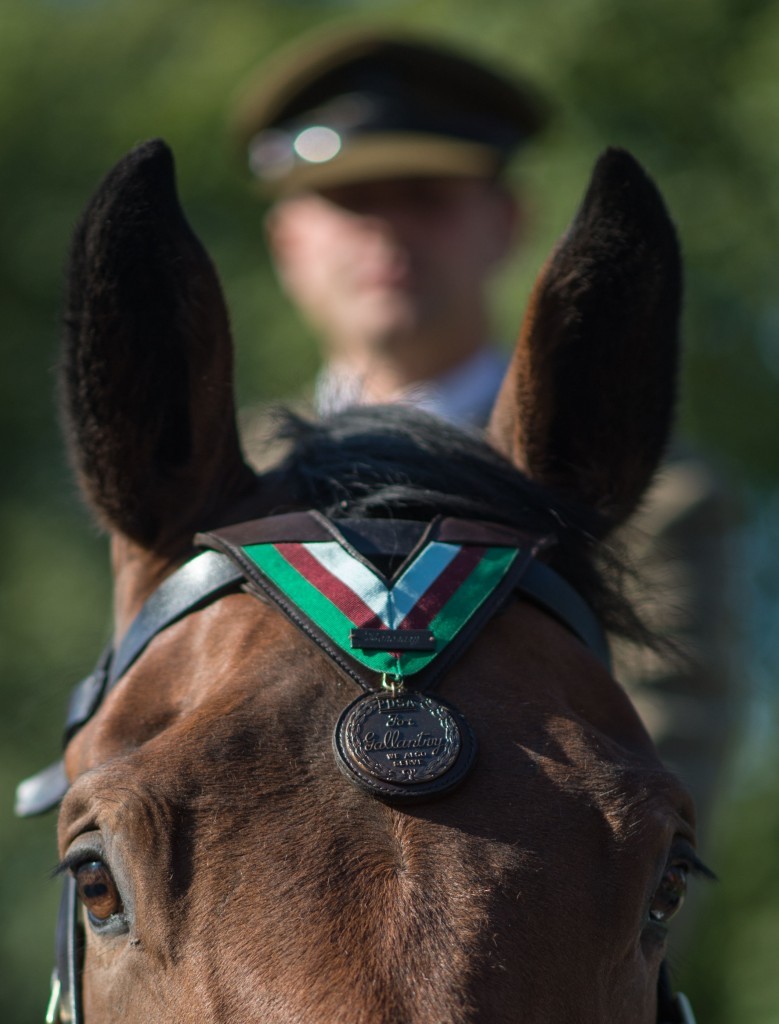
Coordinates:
column 395, row 741
column 403, row 744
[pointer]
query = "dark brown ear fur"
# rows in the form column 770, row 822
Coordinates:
column 586, row 407
column 147, row 370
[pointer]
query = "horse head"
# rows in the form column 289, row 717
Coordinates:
column 230, row 864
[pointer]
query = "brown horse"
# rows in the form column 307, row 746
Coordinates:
column 226, row 867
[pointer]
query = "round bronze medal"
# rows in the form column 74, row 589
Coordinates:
column 404, row 746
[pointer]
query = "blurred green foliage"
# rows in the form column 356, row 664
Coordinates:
column 690, row 87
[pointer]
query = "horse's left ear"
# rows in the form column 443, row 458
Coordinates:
column 587, row 404
column 146, row 378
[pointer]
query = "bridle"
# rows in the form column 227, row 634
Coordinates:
column 219, row 571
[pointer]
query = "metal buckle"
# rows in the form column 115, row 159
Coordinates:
column 58, row 1011
column 52, row 1010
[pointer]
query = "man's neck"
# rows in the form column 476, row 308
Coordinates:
column 392, row 366
column 462, row 394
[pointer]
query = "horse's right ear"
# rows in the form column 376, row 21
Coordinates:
column 587, row 403
column 146, row 378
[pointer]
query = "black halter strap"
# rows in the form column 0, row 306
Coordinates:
column 65, row 999
column 205, row 578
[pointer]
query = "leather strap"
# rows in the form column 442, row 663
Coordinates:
column 42, row 791
column 557, row 597
column 671, row 1009
column 65, row 1001
column 195, row 584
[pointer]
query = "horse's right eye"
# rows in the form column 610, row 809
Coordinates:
column 668, row 899
column 97, row 891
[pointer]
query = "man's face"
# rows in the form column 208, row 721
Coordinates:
column 392, row 267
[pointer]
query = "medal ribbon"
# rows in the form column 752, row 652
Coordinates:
column 439, row 591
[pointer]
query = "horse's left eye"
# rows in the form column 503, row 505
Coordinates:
column 97, row 890
column 669, row 897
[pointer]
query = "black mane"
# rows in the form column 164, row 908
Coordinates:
column 397, row 462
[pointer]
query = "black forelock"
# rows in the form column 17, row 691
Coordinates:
column 397, row 462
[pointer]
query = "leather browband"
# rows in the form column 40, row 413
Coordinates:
column 212, row 574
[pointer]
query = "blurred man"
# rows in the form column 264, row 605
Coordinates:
column 385, row 157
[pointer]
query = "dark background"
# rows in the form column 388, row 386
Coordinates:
column 690, row 86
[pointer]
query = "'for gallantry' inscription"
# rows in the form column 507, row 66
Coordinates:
column 407, row 739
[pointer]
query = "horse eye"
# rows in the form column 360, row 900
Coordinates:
column 669, row 897
column 97, row 890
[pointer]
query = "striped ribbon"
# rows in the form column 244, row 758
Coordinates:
column 440, row 590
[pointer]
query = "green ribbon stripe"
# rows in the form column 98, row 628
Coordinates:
column 332, row 621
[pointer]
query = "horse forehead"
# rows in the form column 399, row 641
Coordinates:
column 237, row 685
column 202, row 670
